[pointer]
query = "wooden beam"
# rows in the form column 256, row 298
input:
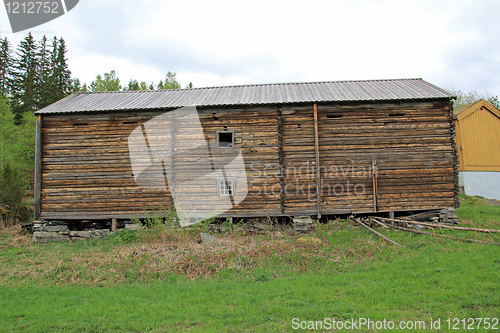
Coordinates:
column 445, row 236
column 281, row 158
column 171, row 183
column 375, row 185
column 377, row 233
column 38, row 167
column 439, row 226
column 316, row 152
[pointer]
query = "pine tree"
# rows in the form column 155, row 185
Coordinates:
column 6, row 63
column 24, row 94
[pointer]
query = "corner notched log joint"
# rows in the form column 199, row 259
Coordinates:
column 316, row 153
column 38, row 167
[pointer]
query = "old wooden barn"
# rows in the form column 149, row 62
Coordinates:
column 380, row 146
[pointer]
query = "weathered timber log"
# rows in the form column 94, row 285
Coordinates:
column 377, row 233
column 445, row 236
column 437, row 225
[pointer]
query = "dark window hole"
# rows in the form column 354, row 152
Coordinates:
column 225, row 139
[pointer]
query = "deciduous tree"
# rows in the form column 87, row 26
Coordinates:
column 110, row 82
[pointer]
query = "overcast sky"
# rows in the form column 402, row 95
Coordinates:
column 453, row 44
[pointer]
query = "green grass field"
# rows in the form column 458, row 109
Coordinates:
column 163, row 281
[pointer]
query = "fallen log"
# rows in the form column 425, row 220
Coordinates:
column 377, row 233
column 383, row 225
column 440, row 225
column 446, row 236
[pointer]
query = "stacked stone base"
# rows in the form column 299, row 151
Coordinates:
column 61, row 233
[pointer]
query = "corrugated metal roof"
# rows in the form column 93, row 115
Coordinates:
column 280, row 93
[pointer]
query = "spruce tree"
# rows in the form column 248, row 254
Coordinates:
column 61, row 75
column 6, row 63
column 24, row 94
column 45, row 89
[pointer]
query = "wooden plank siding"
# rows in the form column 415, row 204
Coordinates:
column 478, row 138
column 86, row 171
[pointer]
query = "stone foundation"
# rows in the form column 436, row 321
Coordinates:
column 61, row 233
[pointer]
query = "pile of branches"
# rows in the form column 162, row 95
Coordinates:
column 413, row 226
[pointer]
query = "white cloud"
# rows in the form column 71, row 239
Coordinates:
column 86, row 67
column 226, row 42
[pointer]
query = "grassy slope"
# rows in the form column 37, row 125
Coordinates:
column 430, row 278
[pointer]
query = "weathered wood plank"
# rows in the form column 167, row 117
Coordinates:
column 38, row 167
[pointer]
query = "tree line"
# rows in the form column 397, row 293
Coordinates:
column 464, row 98
column 111, row 82
column 35, row 75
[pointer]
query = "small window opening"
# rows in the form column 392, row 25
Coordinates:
column 225, row 139
column 80, row 124
column 226, row 186
column 214, row 116
column 335, row 116
column 396, row 114
column 299, row 126
column 225, row 128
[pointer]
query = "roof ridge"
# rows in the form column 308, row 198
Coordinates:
column 242, row 85
column 254, row 94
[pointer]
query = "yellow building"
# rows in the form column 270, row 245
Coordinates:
column 478, row 143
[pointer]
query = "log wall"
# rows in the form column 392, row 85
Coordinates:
column 86, row 171
column 412, row 144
